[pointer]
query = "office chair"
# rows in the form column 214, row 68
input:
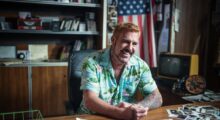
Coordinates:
column 74, row 79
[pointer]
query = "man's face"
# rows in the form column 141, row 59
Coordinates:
column 124, row 47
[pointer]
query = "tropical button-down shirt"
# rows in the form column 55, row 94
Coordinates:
column 98, row 76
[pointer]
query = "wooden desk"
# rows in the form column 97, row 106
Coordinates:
column 161, row 113
column 156, row 114
column 87, row 117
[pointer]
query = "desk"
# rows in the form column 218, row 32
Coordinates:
column 156, row 114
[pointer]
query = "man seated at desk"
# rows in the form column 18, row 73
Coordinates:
column 111, row 77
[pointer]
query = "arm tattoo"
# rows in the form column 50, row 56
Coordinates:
column 154, row 100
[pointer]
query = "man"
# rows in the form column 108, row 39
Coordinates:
column 110, row 79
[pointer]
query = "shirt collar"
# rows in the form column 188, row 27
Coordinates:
column 105, row 58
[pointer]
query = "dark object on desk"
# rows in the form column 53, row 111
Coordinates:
column 179, row 86
column 74, row 78
column 169, row 97
column 195, row 84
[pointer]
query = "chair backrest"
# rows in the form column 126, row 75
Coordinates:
column 74, row 76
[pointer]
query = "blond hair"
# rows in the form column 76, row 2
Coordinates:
column 125, row 27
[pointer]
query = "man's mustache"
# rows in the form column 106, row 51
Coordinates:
column 127, row 50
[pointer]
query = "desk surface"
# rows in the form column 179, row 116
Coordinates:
column 156, row 114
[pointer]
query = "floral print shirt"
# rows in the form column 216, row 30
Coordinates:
column 98, row 76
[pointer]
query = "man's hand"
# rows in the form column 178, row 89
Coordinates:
column 133, row 111
column 124, row 110
column 138, row 112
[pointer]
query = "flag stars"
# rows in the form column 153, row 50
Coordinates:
column 120, row 3
column 132, row 7
column 124, row 7
column 134, row 11
column 141, row 10
column 128, row 11
column 134, row 2
column 141, row 1
column 121, row 12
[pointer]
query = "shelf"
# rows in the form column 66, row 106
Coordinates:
column 32, row 63
column 54, row 3
column 49, row 32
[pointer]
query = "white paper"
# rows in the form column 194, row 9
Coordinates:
column 38, row 52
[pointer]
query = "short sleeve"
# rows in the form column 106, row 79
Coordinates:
column 89, row 80
column 147, row 84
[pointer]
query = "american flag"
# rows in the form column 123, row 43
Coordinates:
column 140, row 13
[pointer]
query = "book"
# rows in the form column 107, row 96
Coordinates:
column 91, row 25
column 62, row 24
column 64, row 53
column 75, row 24
column 89, row 43
column 66, row 25
column 77, row 45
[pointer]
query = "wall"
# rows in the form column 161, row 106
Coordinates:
column 194, row 22
column 200, row 18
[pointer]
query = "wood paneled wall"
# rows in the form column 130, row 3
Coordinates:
column 194, row 23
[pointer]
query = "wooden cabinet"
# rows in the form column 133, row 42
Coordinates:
column 13, row 89
column 49, row 90
column 29, row 87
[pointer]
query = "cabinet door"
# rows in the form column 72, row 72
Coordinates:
column 49, row 90
column 13, row 89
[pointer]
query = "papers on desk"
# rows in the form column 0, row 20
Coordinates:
column 195, row 112
column 207, row 96
column 80, row 119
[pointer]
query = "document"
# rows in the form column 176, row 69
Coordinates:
column 38, row 52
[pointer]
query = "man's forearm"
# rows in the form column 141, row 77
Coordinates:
column 103, row 108
column 154, row 100
column 95, row 104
